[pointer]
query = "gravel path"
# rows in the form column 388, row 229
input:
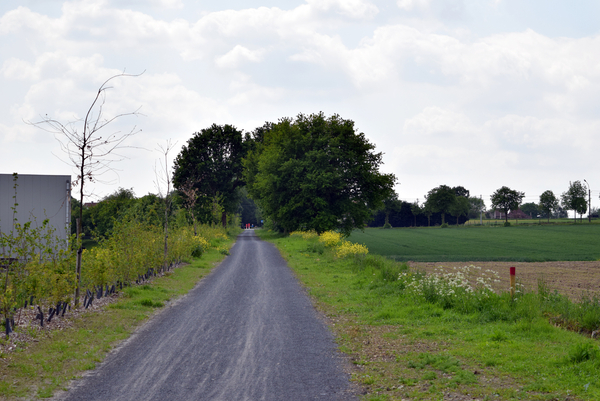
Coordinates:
column 246, row 332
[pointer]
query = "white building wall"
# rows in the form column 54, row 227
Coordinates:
column 38, row 197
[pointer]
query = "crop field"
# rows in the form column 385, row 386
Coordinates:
column 536, row 243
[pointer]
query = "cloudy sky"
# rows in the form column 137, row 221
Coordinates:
column 478, row 93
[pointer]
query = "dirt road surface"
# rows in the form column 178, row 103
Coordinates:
column 246, row 332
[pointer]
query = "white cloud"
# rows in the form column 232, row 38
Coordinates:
column 348, row 8
column 247, row 92
column 23, row 18
column 14, row 68
column 238, row 55
column 412, row 4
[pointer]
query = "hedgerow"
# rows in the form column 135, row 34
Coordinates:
column 39, row 269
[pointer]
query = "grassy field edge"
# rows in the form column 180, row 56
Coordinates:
column 405, row 350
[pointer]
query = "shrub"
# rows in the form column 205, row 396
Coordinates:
column 316, row 247
column 347, row 248
column 199, row 246
column 331, row 238
column 583, row 352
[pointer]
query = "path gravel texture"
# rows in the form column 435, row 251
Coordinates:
column 246, row 332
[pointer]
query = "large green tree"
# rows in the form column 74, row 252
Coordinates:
column 460, row 207
column 316, row 172
column 211, row 162
column 575, row 198
column 416, row 209
column 506, row 199
column 440, row 200
column 548, row 203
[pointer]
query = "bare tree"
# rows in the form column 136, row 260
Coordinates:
column 90, row 153
column 164, row 181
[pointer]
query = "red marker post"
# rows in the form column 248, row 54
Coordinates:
column 513, row 277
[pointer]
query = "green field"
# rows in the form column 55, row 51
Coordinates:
column 461, row 244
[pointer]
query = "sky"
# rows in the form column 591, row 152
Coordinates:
column 482, row 94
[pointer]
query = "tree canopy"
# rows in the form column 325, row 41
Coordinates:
column 440, row 199
column 506, row 199
column 460, row 207
column 315, row 172
column 575, row 198
column 212, row 163
column 548, row 203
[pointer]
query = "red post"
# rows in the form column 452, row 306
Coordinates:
column 512, row 281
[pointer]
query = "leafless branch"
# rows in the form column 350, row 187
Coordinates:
column 89, row 152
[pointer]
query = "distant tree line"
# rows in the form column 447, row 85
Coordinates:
column 439, row 202
column 309, row 173
column 443, row 201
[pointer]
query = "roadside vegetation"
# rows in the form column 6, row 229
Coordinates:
column 516, row 243
column 49, row 359
column 439, row 336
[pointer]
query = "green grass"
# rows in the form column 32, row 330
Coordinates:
column 460, row 244
column 39, row 369
column 404, row 347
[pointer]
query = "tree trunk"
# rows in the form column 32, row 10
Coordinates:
column 79, row 230
column 166, row 232
column 78, row 260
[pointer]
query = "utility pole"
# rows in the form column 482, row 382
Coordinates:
column 589, row 202
column 481, row 211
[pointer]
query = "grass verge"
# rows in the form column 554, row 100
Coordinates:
column 39, row 369
column 406, row 347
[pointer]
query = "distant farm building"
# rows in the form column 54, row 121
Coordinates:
column 37, row 198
